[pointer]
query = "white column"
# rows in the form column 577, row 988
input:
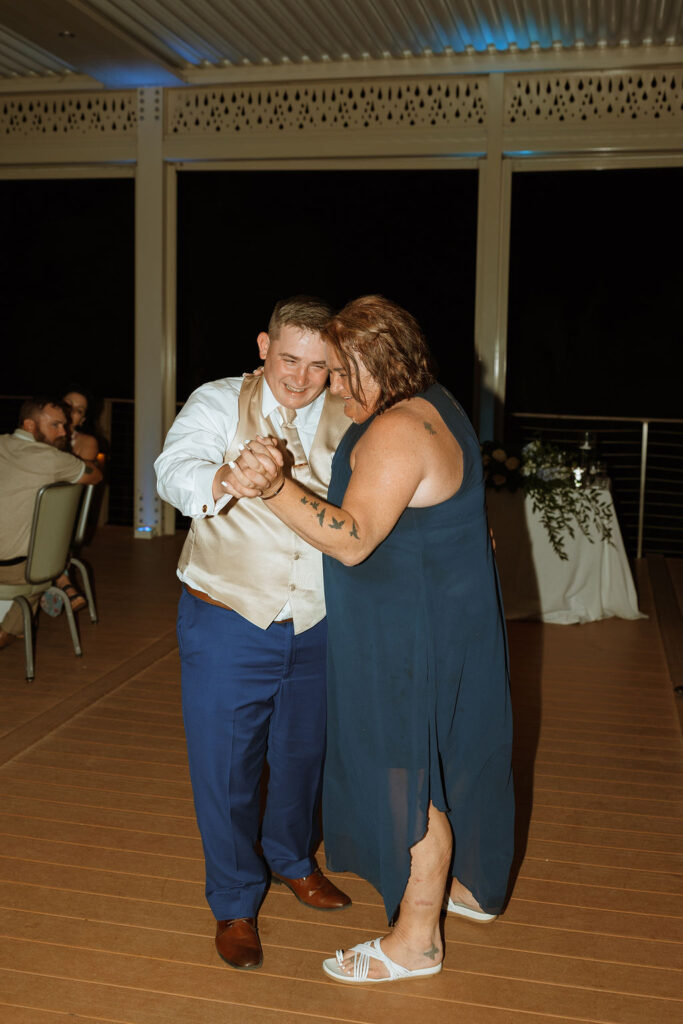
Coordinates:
column 154, row 328
column 493, row 244
column 170, row 323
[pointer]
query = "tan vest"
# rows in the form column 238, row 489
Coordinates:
column 244, row 556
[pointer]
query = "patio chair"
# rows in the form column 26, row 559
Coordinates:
column 77, row 544
column 54, row 516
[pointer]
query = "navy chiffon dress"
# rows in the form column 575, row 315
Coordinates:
column 418, row 689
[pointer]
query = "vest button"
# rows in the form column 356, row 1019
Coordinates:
column 292, row 586
column 203, row 508
column 296, row 555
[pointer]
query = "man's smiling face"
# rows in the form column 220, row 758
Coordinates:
column 295, row 367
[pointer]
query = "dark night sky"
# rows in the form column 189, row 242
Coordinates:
column 596, row 286
column 596, row 276
column 248, row 239
column 67, row 285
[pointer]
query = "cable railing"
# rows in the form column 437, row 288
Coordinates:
column 644, row 461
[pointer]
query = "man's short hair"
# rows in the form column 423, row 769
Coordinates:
column 32, row 407
column 303, row 311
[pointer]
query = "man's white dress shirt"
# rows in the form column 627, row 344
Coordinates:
column 199, row 438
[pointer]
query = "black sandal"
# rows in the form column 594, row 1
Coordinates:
column 76, row 599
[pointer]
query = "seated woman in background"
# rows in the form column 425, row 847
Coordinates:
column 85, row 446
column 81, row 442
column 418, row 783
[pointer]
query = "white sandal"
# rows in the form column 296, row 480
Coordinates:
column 366, row 951
column 451, row 907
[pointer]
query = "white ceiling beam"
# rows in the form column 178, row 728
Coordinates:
column 476, row 64
column 49, row 83
column 608, row 60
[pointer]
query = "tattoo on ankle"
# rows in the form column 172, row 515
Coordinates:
column 432, row 953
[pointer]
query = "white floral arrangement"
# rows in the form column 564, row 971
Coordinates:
column 545, row 461
column 549, row 476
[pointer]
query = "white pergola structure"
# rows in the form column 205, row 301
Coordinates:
column 326, row 84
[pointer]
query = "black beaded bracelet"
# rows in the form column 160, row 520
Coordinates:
column 267, row 497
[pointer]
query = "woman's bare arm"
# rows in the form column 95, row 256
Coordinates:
column 85, row 446
column 391, row 464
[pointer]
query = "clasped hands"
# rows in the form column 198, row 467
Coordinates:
column 257, row 472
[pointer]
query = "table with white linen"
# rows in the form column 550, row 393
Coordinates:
column 594, row 582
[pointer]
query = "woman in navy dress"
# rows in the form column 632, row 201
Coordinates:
column 418, row 790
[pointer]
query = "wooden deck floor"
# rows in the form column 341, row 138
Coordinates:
column 102, row 913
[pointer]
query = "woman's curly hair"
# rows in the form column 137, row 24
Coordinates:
column 390, row 344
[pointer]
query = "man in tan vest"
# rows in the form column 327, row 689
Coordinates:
column 251, row 627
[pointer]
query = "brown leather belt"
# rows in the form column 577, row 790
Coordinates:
column 219, row 604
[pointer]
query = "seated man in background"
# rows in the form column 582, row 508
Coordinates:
column 30, row 458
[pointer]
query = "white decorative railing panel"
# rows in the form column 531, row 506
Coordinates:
column 358, row 106
column 595, row 99
column 436, row 116
column 68, row 115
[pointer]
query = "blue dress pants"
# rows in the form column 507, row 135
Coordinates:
column 252, row 695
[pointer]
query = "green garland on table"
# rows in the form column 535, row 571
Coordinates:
column 552, row 480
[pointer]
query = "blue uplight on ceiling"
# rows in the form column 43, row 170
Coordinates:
column 490, row 33
column 133, row 75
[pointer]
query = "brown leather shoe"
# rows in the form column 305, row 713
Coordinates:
column 315, row 891
column 238, row 943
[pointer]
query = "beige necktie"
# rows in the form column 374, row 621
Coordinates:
column 291, row 436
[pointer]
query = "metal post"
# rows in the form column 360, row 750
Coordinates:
column 641, row 502
column 104, row 424
column 493, row 243
column 169, row 410
column 150, row 353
